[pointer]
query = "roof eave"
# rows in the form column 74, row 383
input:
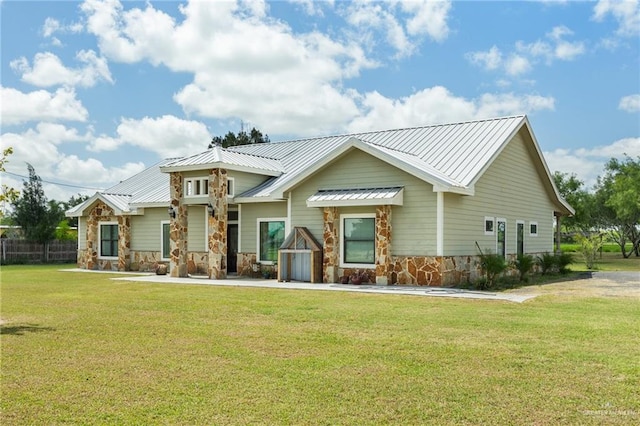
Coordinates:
column 220, row 165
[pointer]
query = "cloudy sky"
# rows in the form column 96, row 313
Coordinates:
column 95, row 91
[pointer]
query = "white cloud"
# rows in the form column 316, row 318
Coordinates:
column 525, row 55
column 18, row 107
column 630, row 103
column 626, row 13
column 588, row 164
column 48, row 70
column 168, row 136
column 429, row 17
column 438, row 105
column 41, row 147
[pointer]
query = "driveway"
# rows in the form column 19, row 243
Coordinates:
column 601, row 284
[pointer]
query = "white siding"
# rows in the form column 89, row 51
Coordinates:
column 82, row 233
column 512, row 189
column 197, row 237
column 248, row 221
column 145, row 229
column 413, row 223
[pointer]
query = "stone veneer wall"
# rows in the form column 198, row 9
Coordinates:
column 217, row 238
column 330, row 245
column 178, row 230
column 88, row 258
column 245, row 264
column 383, row 246
column 124, row 243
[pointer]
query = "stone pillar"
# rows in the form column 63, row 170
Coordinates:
column 178, row 230
column 217, row 241
column 99, row 213
column 124, row 243
column 384, row 268
column 330, row 245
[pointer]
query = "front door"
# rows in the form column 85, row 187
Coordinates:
column 232, row 248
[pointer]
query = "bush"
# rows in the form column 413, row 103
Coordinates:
column 492, row 265
column 589, row 247
column 524, row 263
column 547, row 262
column 563, row 260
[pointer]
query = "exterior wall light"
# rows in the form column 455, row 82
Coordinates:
column 172, row 212
column 211, row 210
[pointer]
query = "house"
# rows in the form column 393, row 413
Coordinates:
column 410, row 206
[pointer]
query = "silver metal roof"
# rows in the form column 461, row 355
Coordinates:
column 356, row 196
column 233, row 160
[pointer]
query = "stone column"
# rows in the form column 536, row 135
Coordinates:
column 99, row 213
column 383, row 245
column 217, row 238
column 330, row 245
column 178, row 230
column 124, row 243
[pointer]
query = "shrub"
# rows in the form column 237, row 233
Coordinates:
column 589, row 247
column 492, row 265
column 524, row 264
column 547, row 262
column 563, row 260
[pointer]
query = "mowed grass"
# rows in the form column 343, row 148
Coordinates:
column 79, row 348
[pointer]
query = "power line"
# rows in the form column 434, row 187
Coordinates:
column 55, row 183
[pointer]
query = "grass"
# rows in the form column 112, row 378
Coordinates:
column 80, row 348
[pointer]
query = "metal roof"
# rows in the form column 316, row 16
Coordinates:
column 356, row 197
column 233, row 160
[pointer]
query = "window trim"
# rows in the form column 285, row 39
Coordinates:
column 100, row 224
column 268, row 219
column 524, row 234
column 493, row 225
column 531, row 223
column 202, row 183
column 231, row 187
column 162, row 223
column 344, row 264
column 506, row 237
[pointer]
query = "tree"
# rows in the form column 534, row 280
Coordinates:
column 571, row 189
column 242, row 138
column 8, row 194
column 618, row 201
column 73, row 201
column 36, row 216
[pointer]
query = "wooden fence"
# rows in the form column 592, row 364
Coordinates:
column 21, row 251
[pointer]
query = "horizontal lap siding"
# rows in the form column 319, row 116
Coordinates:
column 245, row 181
column 414, row 226
column 250, row 213
column 197, row 236
column 146, row 231
column 511, row 188
column 82, row 233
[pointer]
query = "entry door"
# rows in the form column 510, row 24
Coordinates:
column 232, row 248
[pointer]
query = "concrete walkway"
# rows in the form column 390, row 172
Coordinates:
column 261, row 283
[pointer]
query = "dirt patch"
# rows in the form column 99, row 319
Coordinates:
column 596, row 284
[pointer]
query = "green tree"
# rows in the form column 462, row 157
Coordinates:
column 572, row 190
column 242, row 138
column 73, row 201
column 618, row 202
column 8, row 194
column 37, row 217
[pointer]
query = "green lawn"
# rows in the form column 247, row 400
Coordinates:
column 79, row 348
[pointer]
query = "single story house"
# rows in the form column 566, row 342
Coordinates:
column 409, row 206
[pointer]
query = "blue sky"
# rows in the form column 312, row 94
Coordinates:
column 95, row 91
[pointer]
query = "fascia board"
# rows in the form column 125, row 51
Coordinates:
column 220, row 165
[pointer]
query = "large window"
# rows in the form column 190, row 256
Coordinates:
column 109, row 239
column 358, row 239
column 165, row 240
column 271, row 234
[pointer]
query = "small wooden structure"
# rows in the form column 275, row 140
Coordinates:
column 300, row 257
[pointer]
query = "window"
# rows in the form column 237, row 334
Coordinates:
column 519, row 238
column 533, row 229
column 501, row 237
column 108, row 239
column 271, row 234
column 358, row 240
column 165, row 240
column 488, row 225
column 196, row 187
column 231, row 187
